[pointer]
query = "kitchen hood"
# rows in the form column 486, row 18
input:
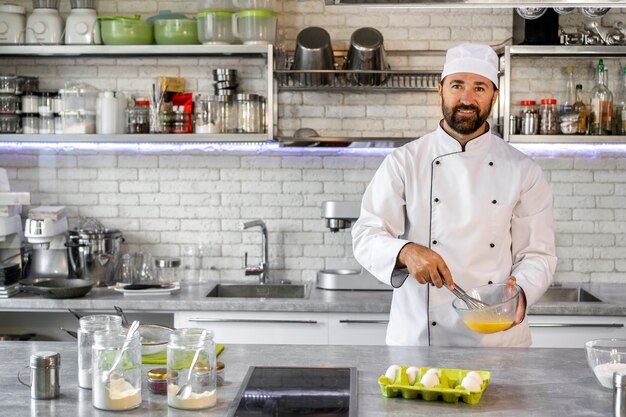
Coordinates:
column 477, row 3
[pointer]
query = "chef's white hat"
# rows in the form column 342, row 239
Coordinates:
column 472, row 57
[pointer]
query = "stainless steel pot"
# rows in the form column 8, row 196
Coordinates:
column 94, row 253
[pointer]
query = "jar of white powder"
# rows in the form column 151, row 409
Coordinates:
column 116, row 372
column 183, row 346
column 88, row 326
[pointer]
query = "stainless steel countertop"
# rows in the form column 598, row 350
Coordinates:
column 193, row 298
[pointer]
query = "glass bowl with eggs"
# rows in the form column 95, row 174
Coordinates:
column 502, row 302
column 606, row 356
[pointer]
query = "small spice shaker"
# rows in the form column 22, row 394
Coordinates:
column 619, row 393
column 44, row 375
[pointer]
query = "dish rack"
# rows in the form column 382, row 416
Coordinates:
column 352, row 80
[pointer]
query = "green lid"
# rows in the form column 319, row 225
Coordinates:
column 203, row 13
column 256, row 13
column 136, row 17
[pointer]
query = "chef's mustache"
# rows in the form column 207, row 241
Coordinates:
column 463, row 107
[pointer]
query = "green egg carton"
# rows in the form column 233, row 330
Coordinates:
column 449, row 388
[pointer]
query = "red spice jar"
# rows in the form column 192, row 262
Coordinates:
column 157, row 380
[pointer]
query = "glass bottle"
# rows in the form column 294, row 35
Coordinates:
column 570, row 96
column 184, row 345
column 120, row 388
column 601, row 105
column 579, row 107
column 529, row 118
column 88, row 326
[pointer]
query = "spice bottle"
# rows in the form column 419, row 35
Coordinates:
column 88, row 326
column 529, row 118
column 44, row 375
column 548, row 124
column 185, row 344
column 157, row 380
column 117, row 388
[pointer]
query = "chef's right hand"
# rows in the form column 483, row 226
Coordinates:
column 425, row 265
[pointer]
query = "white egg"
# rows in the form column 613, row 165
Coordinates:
column 412, row 372
column 430, row 380
column 471, row 384
column 433, row 371
column 391, row 373
column 476, row 376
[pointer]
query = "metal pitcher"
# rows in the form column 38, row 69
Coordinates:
column 93, row 253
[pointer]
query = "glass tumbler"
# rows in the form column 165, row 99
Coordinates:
column 116, row 372
column 88, row 326
column 191, row 360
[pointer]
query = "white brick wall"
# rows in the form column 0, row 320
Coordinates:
column 162, row 201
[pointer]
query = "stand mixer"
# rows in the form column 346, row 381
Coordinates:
column 45, row 230
column 340, row 215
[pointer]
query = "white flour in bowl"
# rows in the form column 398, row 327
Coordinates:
column 604, row 373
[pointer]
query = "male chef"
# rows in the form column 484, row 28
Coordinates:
column 458, row 205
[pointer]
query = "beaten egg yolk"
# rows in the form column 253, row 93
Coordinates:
column 493, row 326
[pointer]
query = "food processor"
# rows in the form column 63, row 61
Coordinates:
column 44, row 26
column 340, row 215
column 12, row 22
column 45, row 230
column 81, row 26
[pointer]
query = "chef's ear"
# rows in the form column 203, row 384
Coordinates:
column 495, row 96
column 439, row 90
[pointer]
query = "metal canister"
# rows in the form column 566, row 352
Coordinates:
column 619, row 393
column 513, row 124
column 44, row 375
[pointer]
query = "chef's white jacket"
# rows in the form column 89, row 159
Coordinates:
column 487, row 210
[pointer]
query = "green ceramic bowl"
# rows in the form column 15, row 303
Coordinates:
column 176, row 32
column 126, row 31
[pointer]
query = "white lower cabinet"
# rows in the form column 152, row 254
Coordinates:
column 357, row 329
column 250, row 327
column 574, row 331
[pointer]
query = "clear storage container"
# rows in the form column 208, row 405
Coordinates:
column 8, row 84
column 89, row 325
column 529, row 118
column 30, row 123
column 10, row 104
column 184, row 345
column 9, row 123
column 30, row 103
column 75, row 122
column 229, row 114
column 117, row 388
column 167, row 269
column 248, row 112
column 138, row 118
column 208, row 114
column 46, row 102
column 548, row 124
column 46, row 124
column 215, row 27
column 79, row 99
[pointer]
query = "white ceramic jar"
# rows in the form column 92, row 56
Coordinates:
column 12, row 23
column 255, row 27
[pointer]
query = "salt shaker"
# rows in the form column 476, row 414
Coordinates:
column 44, row 375
column 619, row 393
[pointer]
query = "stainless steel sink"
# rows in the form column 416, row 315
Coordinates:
column 258, row 291
column 568, row 295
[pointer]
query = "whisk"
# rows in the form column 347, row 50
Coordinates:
column 471, row 302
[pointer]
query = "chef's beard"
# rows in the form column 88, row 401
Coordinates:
column 464, row 125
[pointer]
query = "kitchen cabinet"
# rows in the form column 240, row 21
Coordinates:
column 264, row 53
column 357, row 329
column 289, row 327
column 574, row 331
column 251, row 327
column 506, row 106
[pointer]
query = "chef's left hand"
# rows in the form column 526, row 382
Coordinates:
column 521, row 308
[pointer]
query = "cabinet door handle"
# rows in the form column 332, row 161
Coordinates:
column 615, row 325
column 215, row 320
column 364, row 321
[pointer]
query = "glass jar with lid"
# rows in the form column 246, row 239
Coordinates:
column 46, row 102
column 8, row 84
column 138, row 117
column 248, row 113
column 116, row 382
column 183, row 347
column 181, row 120
column 208, row 114
column 167, row 269
column 30, row 123
column 529, row 118
column 46, row 124
column 548, row 124
column 89, row 325
column 229, row 114
column 30, row 103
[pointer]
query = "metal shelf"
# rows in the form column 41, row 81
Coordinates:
column 454, row 4
column 566, row 50
column 353, row 80
column 566, row 139
column 139, row 138
column 133, row 50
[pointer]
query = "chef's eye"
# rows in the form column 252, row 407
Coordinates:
column 480, row 89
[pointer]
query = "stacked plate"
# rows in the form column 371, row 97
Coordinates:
column 225, row 81
column 9, row 277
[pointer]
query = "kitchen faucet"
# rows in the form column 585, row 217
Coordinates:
column 262, row 270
